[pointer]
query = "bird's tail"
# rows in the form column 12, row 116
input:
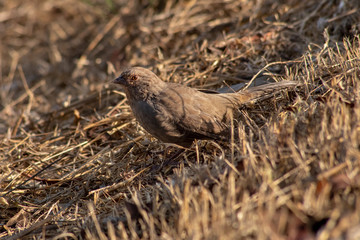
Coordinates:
column 263, row 92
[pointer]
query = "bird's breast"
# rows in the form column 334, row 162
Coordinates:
column 155, row 119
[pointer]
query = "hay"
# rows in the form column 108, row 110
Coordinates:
column 75, row 164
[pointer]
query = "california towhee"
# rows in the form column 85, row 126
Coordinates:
column 179, row 114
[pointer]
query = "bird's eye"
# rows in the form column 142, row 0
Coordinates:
column 133, row 77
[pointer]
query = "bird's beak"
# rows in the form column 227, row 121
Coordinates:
column 119, row 80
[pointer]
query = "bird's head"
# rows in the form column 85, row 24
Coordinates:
column 139, row 83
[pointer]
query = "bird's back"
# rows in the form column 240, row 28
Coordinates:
column 206, row 115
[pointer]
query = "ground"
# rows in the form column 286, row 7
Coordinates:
column 75, row 164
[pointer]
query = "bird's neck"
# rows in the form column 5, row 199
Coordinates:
column 144, row 93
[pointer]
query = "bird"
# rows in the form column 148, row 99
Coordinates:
column 178, row 114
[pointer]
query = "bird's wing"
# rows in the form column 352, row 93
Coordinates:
column 200, row 114
column 197, row 114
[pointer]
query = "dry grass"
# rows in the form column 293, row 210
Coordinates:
column 74, row 164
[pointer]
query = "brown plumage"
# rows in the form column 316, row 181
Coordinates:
column 178, row 114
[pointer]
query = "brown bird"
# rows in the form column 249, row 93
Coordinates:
column 178, row 114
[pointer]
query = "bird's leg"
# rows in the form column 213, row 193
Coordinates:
column 170, row 161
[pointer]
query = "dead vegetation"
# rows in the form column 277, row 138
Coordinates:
column 74, row 164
